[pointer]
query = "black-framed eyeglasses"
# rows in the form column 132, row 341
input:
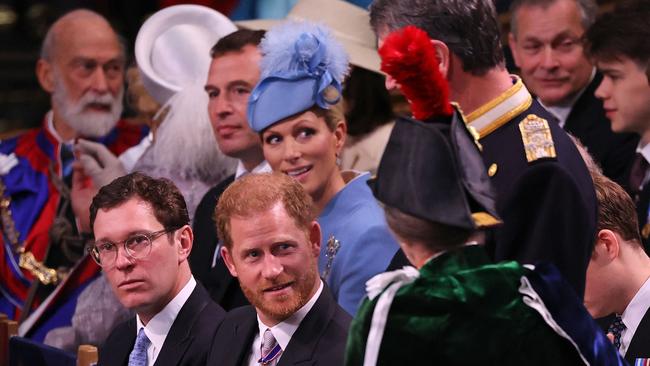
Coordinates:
column 136, row 246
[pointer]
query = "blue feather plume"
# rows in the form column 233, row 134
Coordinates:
column 302, row 47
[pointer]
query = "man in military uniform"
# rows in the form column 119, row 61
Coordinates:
column 545, row 194
column 460, row 308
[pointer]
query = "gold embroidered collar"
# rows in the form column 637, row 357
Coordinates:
column 501, row 109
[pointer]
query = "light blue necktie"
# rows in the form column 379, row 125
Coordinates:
column 138, row 356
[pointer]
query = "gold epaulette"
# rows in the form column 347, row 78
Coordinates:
column 537, row 138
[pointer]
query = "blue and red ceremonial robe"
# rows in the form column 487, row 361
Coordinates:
column 34, row 201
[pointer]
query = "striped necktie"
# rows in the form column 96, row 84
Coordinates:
column 271, row 350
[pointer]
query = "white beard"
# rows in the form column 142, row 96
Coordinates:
column 87, row 123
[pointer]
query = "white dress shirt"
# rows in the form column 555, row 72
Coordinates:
column 561, row 112
column 633, row 314
column 263, row 167
column 283, row 331
column 159, row 326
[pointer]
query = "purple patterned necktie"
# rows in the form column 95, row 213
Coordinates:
column 270, row 349
column 138, row 356
column 638, row 173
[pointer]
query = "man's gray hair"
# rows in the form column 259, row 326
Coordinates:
column 468, row 27
column 48, row 47
column 588, row 11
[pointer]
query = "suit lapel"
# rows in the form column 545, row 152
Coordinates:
column 244, row 332
column 301, row 347
column 577, row 121
column 639, row 344
column 180, row 334
column 119, row 354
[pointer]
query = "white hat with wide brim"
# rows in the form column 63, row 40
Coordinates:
column 349, row 23
column 173, row 46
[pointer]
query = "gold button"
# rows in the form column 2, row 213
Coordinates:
column 492, row 170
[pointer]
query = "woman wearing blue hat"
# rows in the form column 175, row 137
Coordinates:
column 295, row 108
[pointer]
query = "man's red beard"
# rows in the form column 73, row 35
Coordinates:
column 283, row 306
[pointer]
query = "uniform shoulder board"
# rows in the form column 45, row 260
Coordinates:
column 537, row 138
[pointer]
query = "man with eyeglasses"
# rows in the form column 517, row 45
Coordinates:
column 142, row 241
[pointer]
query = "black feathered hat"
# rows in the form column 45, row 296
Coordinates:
column 434, row 171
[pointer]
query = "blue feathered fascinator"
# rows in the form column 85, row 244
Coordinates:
column 300, row 62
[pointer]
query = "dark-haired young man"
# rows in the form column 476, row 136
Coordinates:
column 618, row 43
column 233, row 73
column 142, row 241
column 543, row 187
column 618, row 272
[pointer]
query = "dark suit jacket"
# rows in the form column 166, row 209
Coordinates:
column 223, row 288
column 548, row 206
column 640, row 343
column 642, row 202
column 587, row 121
column 186, row 344
column 319, row 340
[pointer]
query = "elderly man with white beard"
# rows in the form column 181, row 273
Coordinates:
column 82, row 67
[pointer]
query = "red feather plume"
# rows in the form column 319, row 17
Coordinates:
column 409, row 57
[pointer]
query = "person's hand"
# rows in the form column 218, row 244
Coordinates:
column 98, row 162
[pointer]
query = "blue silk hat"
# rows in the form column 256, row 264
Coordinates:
column 301, row 63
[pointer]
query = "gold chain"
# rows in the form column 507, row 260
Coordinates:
column 27, row 260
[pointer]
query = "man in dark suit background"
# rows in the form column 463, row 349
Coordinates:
column 618, row 272
column 233, row 73
column 271, row 244
column 618, row 43
column 545, row 38
column 143, row 239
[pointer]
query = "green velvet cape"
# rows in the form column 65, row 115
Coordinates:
column 462, row 310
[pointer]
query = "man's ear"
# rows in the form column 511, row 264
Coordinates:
column 340, row 133
column 186, row 239
column 315, row 237
column 45, row 75
column 227, row 259
column 512, row 42
column 443, row 55
column 607, row 246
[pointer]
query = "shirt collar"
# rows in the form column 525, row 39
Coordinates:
column 49, row 123
column 561, row 112
column 283, row 331
column 159, row 326
column 644, row 150
column 263, row 167
column 634, row 313
column 495, row 113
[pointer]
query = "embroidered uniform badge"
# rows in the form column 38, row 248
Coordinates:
column 537, row 139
